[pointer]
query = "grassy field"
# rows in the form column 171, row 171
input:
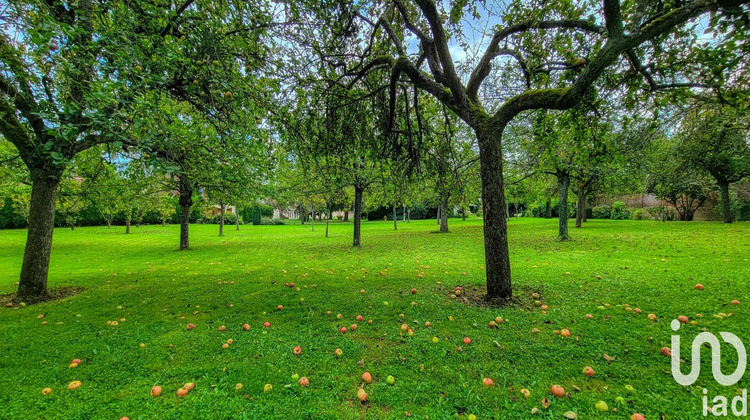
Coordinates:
column 240, row 278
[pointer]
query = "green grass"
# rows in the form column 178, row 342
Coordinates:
column 649, row 265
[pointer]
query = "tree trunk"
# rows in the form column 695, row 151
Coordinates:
column 496, row 254
column 444, row 216
column 237, row 217
column 127, row 225
column 357, row 215
column 221, row 218
column 33, row 282
column 327, row 219
column 725, row 204
column 395, row 220
column 186, row 201
column 439, row 216
column 312, row 222
column 548, row 209
column 580, row 205
column 563, row 180
column 463, row 213
column 403, row 216
column 346, row 215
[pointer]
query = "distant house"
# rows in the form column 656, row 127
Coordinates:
column 216, row 209
column 285, row 213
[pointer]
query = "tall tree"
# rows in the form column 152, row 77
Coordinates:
column 542, row 41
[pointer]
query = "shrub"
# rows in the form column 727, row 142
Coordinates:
column 601, row 212
column 229, row 219
column 269, row 221
column 619, row 211
column 641, row 214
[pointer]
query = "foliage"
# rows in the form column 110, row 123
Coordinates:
column 619, row 211
column 601, row 212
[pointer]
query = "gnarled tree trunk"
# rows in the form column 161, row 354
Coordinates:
column 186, row 201
column 496, row 254
column 127, row 225
column 221, row 218
column 444, row 216
column 33, row 282
column 563, row 181
column 581, row 205
column 358, row 190
column 548, row 209
column 237, row 217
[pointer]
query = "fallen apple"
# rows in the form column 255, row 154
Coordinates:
column 589, row 316
column 491, row 324
column 267, row 388
column 222, row 328
column 74, row 384
column 353, row 327
column 652, row 317
column 338, row 352
column 683, row 319
column 557, row 391
column 280, row 307
column 526, row 393
column 487, row 382
column 427, row 324
column 589, row 371
column 699, row 286
column 343, row 330
column 637, row 416
column 46, row 391
column 390, row 380
column 245, row 327
column 367, row 377
column 666, row 351
column 467, row 340
column 359, row 318
column 297, row 350
column 735, row 302
column 303, row 381
column 190, row 326
column 156, row 391
column 413, row 291
column 601, row 406
column 361, row 395
column 266, row 324
column 499, row 320
column 435, row 340
column 565, row 332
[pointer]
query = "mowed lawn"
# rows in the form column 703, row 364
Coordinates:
column 240, row 278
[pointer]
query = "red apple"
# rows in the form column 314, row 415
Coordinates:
column 222, row 328
column 698, row 287
column 361, row 395
column 297, row 350
column 491, row 324
column 353, row 327
column 182, row 392
column 683, row 319
column 589, row 371
column 427, row 324
column 467, row 340
column 487, row 382
column 343, row 330
column 359, row 318
column 557, row 391
column 303, row 381
column 565, row 332
column 589, row 316
column 367, row 377
column 156, row 391
column 636, row 310
column 413, row 291
column 652, row 317
column 266, row 324
column 245, row 327
column 190, row 326
column 666, row 351
column 637, row 416
column 338, row 352
column 280, row 307
column 735, row 302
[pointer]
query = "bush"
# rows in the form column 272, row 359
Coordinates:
column 601, row 212
column 229, row 219
column 641, row 214
column 269, row 221
column 619, row 211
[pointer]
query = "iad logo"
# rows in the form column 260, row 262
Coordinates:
column 721, row 403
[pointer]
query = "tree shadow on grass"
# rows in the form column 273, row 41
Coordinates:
column 53, row 294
